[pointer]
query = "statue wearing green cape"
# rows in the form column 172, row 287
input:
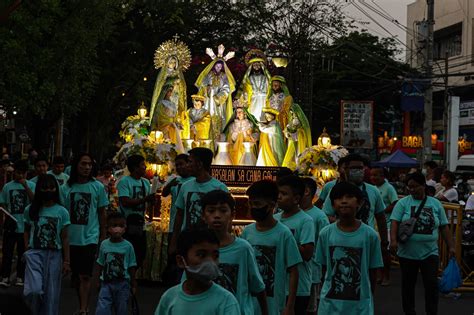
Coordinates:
column 298, row 133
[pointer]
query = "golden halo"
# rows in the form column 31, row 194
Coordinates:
column 173, row 48
column 255, row 53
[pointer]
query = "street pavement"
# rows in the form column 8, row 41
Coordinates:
column 387, row 299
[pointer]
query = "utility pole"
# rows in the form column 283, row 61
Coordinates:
column 428, row 117
column 446, row 107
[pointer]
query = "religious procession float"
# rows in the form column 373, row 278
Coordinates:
column 254, row 129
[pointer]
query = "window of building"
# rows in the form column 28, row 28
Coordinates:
column 448, row 40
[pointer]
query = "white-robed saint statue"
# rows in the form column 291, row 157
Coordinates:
column 173, row 57
column 216, row 83
column 256, row 83
column 271, row 146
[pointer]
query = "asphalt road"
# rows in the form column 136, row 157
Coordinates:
column 387, row 299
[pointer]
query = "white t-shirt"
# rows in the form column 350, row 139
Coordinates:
column 470, row 203
column 431, row 182
column 451, row 194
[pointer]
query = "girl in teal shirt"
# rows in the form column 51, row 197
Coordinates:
column 48, row 247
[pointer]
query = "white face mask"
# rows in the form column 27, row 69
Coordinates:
column 204, row 272
column 356, row 176
column 424, row 172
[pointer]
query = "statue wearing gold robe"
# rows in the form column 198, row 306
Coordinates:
column 240, row 130
column 199, row 119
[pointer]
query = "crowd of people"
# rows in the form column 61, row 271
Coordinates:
column 299, row 257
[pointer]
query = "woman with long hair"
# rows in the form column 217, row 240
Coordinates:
column 46, row 237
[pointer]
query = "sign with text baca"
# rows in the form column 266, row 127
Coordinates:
column 242, row 176
column 357, row 121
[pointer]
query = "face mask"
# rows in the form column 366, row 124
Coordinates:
column 117, row 229
column 48, row 195
column 259, row 214
column 424, row 172
column 356, row 176
column 204, row 272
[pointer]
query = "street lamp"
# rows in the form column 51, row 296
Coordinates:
column 142, row 111
column 324, row 140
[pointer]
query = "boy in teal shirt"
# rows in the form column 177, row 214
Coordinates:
column 58, row 170
column 240, row 273
column 320, row 221
column 116, row 267
column 290, row 192
column 198, row 255
column 15, row 197
column 349, row 252
column 275, row 248
column 323, row 195
column 390, row 197
column 41, row 167
column 188, row 202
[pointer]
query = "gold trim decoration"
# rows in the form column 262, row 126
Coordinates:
column 173, row 48
column 255, row 53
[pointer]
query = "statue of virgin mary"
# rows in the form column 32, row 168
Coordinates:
column 173, row 57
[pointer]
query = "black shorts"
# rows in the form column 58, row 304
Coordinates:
column 83, row 259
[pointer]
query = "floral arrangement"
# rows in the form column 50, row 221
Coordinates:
column 151, row 145
column 319, row 162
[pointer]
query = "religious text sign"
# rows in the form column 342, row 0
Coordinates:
column 242, row 176
column 357, row 124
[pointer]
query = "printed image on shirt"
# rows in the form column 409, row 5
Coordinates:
column 345, row 280
column 60, row 181
column 364, row 210
column 228, row 279
column 425, row 223
column 45, row 233
column 138, row 193
column 114, row 267
column 80, row 206
column 193, row 208
column 265, row 256
column 18, row 199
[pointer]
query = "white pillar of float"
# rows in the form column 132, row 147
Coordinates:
column 222, row 157
column 248, row 158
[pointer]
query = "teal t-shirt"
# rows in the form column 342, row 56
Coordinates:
column 301, row 226
column 67, row 170
column 15, row 199
column 376, row 204
column 174, row 195
column 116, row 259
column 275, row 251
column 189, row 199
column 61, row 178
column 215, row 301
column 327, row 189
column 320, row 220
column 134, row 189
column 424, row 240
column 46, row 232
column 348, row 257
column 34, row 179
column 389, row 195
column 240, row 273
column 83, row 202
